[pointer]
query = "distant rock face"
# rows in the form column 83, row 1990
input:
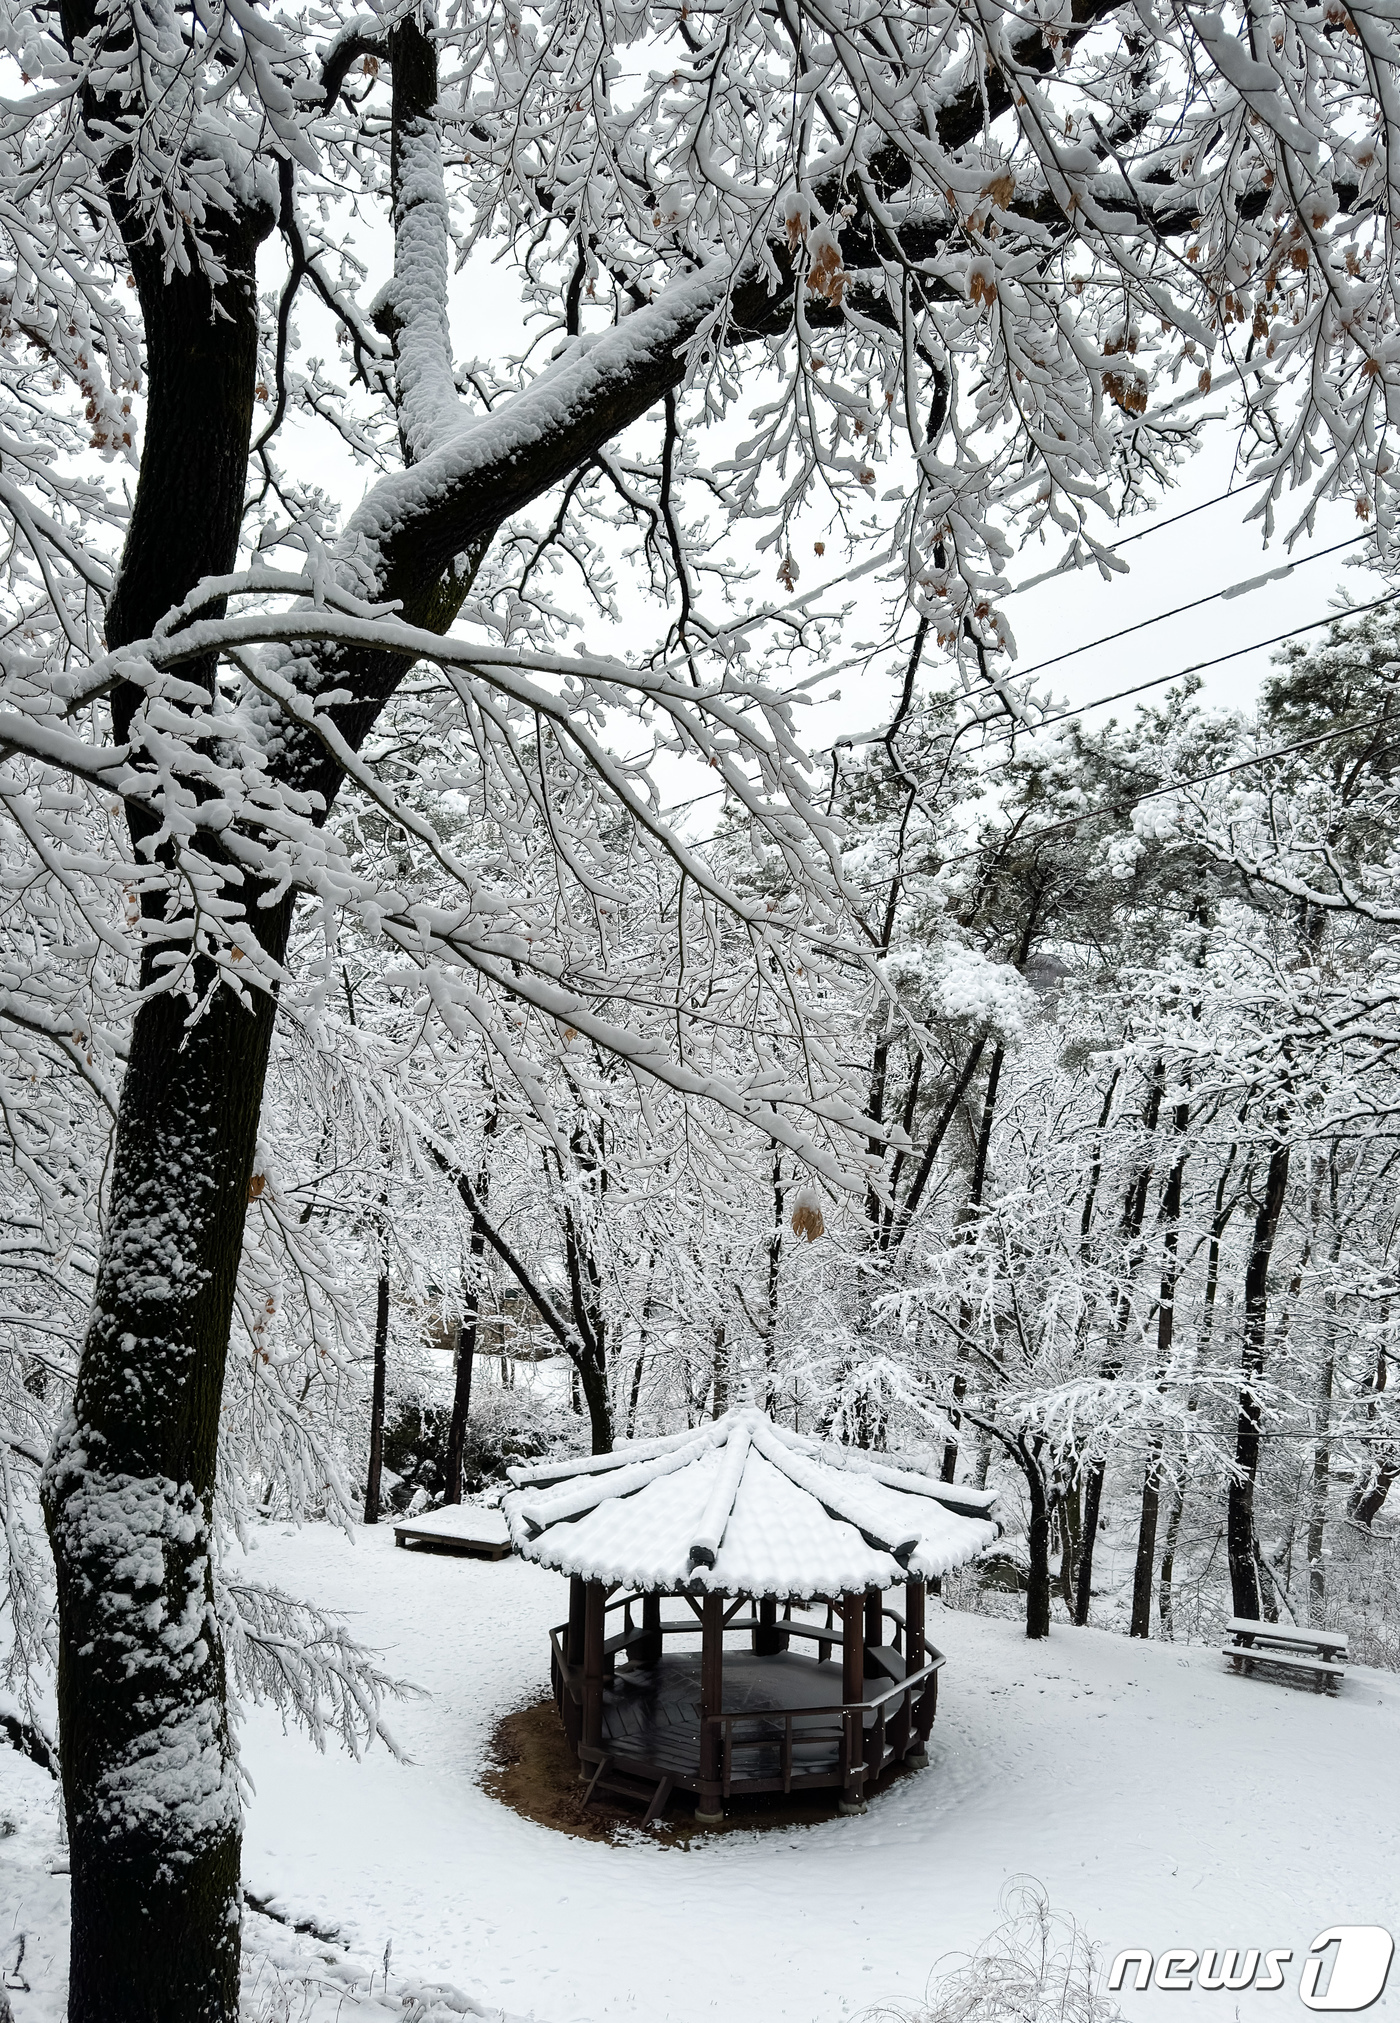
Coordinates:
column 415, row 1450
column 1004, row 1572
column 1045, row 973
column 415, row 1453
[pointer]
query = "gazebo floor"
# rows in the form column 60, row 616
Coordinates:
column 651, row 1715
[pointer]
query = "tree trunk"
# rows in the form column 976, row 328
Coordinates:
column 775, row 1260
column 1239, row 1509
column 466, row 1349
column 1134, row 1209
column 1367, row 1507
column 1144, row 1565
column 1219, row 1223
column 589, row 1348
column 966, row 1220
column 593, row 1378
column 1322, row 1421
column 1038, row 1552
column 1093, row 1499
column 462, row 1396
column 720, row 1358
column 376, row 1410
column 634, row 1395
column 1070, row 1521
column 1165, row 1597
column 1367, row 1500
column 149, row 1776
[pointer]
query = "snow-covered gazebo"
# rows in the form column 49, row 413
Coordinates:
column 736, row 1520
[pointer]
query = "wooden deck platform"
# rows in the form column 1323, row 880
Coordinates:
column 651, row 1713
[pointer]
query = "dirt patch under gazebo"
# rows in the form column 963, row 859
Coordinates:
column 534, row 1771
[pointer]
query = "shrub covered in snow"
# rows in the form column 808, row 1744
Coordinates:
column 1036, row 1967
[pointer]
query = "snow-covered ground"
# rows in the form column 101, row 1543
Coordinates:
column 1158, row 1798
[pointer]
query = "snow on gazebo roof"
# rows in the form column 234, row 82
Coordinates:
column 742, row 1506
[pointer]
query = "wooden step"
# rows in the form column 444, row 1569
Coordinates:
column 649, row 1795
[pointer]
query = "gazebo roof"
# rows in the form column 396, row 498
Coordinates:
column 743, row 1506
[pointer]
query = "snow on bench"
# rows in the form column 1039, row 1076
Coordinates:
column 461, row 1528
column 1321, row 1640
column 1321, row 1653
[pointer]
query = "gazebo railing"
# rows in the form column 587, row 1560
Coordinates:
column 888, row 1741
column 826, row 1636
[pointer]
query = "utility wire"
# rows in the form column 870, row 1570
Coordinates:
column 1158, row 680
column 1214, row 597
column 1157, row 527
column 1119, row 695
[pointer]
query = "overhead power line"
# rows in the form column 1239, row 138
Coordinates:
column 1118, row 695
column 1157, row 527
column 1241, row 589
column 1157, row 680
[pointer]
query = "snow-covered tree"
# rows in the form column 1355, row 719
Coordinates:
column 968, row 258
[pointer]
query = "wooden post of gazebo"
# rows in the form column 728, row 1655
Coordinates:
column 768, row 1638
column 647, row 1651
column 709, row 1810
column 915, row 1650
column 594, row 1617
column 573, row 1649
column 853, row 1691
column 567, row 1688
column 874, row 1616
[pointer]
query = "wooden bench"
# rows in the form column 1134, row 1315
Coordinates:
column 467, row 1532
column 1320, row 1653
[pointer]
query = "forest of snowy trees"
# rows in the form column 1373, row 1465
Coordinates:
column 449, row 1007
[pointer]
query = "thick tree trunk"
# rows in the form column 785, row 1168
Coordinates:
column 1239, row 1509
column 593, row 1378
column 149, row 1776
